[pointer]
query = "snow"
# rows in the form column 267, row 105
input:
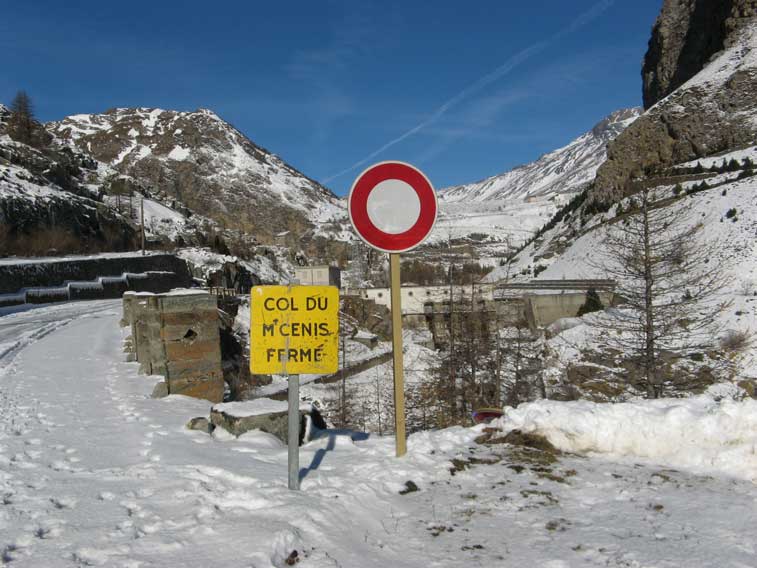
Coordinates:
column 95, row 472
column 256, row 407
column 13, row 260
column 700, row 434
column 261, row 265
column 186, row 292
column 124, row 152
column 178, row 153
column 162, row 220
column 738, row 155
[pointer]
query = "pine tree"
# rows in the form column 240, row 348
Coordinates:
column 669, row 282
column 592, row 304
column 22, row 126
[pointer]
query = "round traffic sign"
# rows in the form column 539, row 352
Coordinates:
column 392, row 206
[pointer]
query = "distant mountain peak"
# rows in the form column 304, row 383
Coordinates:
column 198, row 159
column 565, row 170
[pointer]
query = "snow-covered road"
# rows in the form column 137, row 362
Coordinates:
column 94, row 472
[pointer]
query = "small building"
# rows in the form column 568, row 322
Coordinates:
column 319, row 275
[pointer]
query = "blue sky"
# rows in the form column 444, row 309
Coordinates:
column 461, row 91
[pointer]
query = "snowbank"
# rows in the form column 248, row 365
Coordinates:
column 256, row 407
column 701, row 433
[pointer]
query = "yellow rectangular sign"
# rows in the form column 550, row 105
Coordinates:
column 294, row 329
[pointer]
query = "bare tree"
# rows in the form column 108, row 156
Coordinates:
column 668, row 279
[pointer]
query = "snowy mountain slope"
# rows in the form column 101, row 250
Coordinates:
column 710, row 119
column 582, row 239
column 202, row 162
column 565, row 170
column 510, row 207
column 726, row 215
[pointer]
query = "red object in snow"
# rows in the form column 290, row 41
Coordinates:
column 482, row 415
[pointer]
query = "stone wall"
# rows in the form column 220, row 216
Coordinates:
column 176, row 335
column 56, row 272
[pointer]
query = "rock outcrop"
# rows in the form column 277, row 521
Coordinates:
column 685, row 36
column 266, row 415
column 713, row 111
column 47, row 206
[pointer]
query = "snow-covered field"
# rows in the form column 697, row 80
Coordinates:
column 94, row 472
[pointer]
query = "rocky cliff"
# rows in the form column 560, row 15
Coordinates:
column 685, row 36
column 47, row 206
column 713, row 111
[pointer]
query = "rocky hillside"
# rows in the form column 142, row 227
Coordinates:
column 683, row 140
column 684, row 38
column 197, row 160
column 714, row 109
column 46, row 204
column 565, row 170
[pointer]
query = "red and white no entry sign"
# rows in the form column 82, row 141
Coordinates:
column 392, row 206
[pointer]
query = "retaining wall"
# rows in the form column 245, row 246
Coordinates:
column 86, row 278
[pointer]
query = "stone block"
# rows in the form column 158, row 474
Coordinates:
column 266, row 415
column 191, row 301
column 181, row 350
column 209, row 388
column 193, row 368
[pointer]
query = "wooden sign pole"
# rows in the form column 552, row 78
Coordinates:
column 399, row 376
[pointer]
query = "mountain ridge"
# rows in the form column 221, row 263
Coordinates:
column 564, row 170
column 201, row 161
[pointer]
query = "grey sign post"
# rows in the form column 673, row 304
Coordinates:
column 293, row 431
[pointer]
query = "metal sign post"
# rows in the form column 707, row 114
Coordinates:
column 293, row 431
column 393, row 208
column 293, row 330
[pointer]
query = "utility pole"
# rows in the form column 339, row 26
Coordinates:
column 344, row 382
column 142, row 224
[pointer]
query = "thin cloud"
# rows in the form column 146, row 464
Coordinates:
column 483, row 82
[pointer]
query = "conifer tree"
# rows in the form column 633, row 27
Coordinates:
column 21, row 124
column 668, row 280
column 592, row 304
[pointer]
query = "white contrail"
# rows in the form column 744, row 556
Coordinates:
column 484, row 81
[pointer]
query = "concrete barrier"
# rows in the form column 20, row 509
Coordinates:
column 20, row 274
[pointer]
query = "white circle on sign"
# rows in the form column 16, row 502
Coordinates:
column 393, row 206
